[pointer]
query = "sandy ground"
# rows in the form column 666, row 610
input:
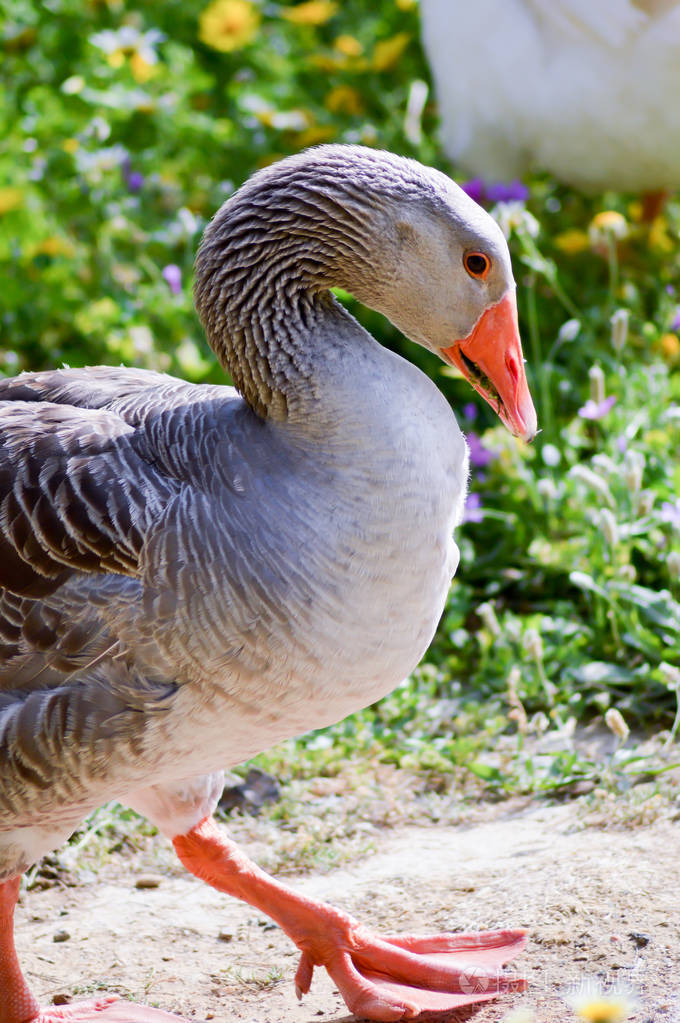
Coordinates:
column 598, row 904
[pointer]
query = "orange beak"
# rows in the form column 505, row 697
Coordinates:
column 491, row 359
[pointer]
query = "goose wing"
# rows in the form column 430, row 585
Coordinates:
column 90, row 461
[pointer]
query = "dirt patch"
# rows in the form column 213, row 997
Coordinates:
column 602, row 904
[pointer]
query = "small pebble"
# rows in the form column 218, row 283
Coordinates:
column 61, row 999
column 225, row 936
column 148, row 881
column 61, row 935
column 639, row 940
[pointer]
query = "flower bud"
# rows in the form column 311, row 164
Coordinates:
column 615, row 722
column 569, row 330
column 595, row 482
column 609, row 526
column 633, row 468
column 619, row 323
column 488, row 615
column 596, row 377
column 533, row 644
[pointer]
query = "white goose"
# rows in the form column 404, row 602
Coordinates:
column 189, row 575
column 586, row 90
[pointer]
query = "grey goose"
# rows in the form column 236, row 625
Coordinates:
column 190, row 574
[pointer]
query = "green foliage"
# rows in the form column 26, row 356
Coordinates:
column 123, row 127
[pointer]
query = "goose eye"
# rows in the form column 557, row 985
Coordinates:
column 477, row 264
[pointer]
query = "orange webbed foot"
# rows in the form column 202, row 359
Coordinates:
column 401, row 976
column 109, row 1009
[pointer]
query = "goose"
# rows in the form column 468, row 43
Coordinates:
column 191, row 573
column 583, row 90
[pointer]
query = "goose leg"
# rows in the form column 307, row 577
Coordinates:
column 18, row 1005
column 391, row 978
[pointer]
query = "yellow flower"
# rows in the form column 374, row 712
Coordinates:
column 669, row 345
column 659, row 238
column 387, row 52
column 635, row 211
column 604, row 1010
column 343, row 99
column 228, row 25
column 572, row 242
column 70, row 145
column 405, row 5
column 116, row 58
column 611, row 222
column 141, row 69
column 316, row 134
column 10, row 199
column 349, row 46
column 594, row 1005
column 54, row 246
column 605, row 226
column 311, row 12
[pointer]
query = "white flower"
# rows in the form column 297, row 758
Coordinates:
column 514, row 217
column 592, row 1003
column 128, row 39
column 551, row 455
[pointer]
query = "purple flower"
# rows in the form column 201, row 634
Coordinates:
column 472, row 511
column 510, row 191
column 470, row 411
column 495, row 191
column 173, row 276
column 135, row 180
column 675, row 322
column 622, row 444
column 479, row 455
column 671, row 513
column 475, row 189
column 597, row 409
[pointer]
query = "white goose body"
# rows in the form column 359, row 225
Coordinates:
column 585, row 90
column 189, row 575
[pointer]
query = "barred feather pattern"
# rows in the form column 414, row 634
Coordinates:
column 189, row 574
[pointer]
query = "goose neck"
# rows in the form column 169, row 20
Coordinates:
column 264, row 269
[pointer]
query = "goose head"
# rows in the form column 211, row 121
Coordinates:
column 401, row 237
column 447, row 284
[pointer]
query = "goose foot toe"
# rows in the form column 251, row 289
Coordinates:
column 401, row 976
column 108, row 1009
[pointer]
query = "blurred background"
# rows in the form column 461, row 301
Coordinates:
column 123, row 127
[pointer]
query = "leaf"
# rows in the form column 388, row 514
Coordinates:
column 602, row 672
column 656, row 605
column 487, row 773
column 586, row 582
